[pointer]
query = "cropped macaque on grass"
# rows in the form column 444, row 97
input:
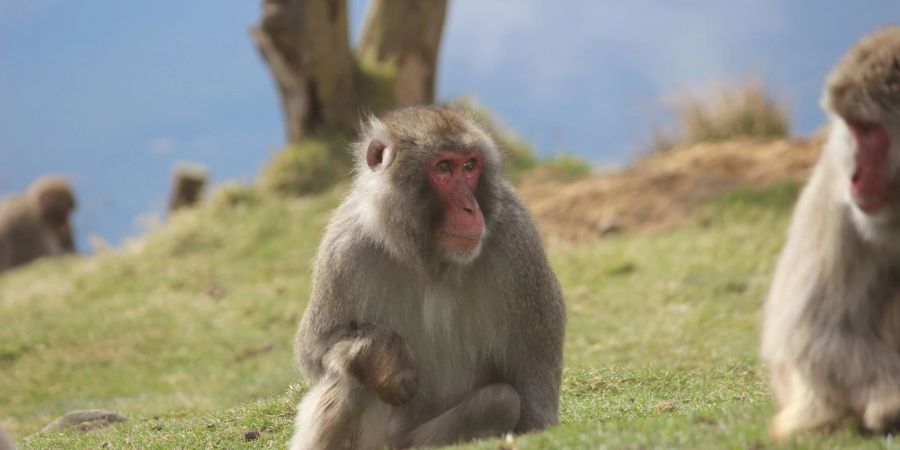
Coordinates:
column 829, row 335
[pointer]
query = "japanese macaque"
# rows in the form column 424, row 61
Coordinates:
column 36, row 223
column 832, row 319
column 434, row 316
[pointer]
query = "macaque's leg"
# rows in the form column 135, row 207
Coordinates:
column 339, row 413
column 490, row 411
column 803, row 410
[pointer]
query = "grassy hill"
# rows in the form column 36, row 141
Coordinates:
column 188, row 330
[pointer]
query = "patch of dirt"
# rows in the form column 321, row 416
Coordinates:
column 85, row 420
column 659, row 191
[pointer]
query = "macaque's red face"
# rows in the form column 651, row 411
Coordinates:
column 871, row 179
column 454, row 176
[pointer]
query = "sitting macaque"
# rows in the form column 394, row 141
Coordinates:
column 832, row 320
column 36, row 224
column 434, row 316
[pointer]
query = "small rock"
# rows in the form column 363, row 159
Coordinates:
column 251, row 435
column 665, row 406
column 609, row 227
column 216, row 291
column 85, row 420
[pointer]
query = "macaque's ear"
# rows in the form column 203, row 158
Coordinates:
column 379, row 155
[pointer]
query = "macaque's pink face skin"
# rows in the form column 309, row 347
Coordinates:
column 454, row 176
column 869, row 186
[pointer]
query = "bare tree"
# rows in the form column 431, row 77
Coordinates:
column 321, row 82
column 406, row 34
column 188, row 183
column 306, row 46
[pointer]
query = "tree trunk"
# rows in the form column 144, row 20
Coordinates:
column 306, row 45
column 406, row 34
column 322, row 84
column 188, row 183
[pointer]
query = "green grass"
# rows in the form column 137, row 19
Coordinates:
column 312, row 166
column 661, row 350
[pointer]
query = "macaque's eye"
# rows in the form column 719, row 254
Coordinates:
column 443, row 166
column 863, row 126
column 867, row 127
column 470, row 164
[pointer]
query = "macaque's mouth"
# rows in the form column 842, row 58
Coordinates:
column 870, row 180
column 460, row 242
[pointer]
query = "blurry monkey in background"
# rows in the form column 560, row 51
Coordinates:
column 37, row 223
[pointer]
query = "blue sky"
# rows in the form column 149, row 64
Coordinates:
column 113, row 94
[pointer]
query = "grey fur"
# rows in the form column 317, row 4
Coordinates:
column 6, row 442
column 485, row 335
column 830, row 331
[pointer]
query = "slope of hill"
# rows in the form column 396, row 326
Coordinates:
column 660, row 191
column 187, row 331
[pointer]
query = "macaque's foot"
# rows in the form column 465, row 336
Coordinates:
column 883, row 415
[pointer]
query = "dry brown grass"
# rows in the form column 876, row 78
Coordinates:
column 727, row 111
column 660, row 190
